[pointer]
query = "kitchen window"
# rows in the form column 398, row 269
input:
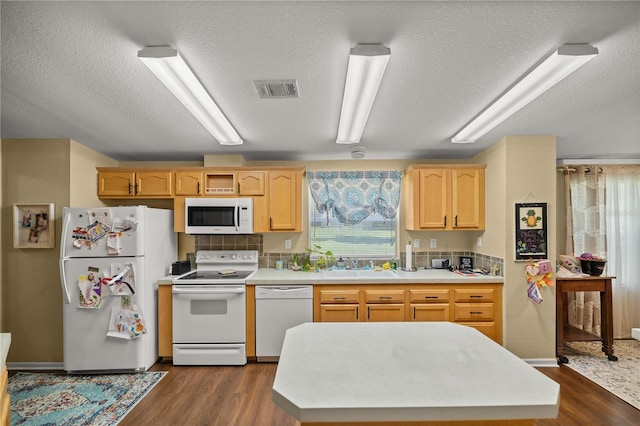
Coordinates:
column 355, row 213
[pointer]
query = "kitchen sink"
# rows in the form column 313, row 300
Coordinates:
column 358, row 273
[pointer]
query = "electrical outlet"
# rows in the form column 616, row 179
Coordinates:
column 433, row 243
column 416, row 242
column 287, row 244
column 479, row 241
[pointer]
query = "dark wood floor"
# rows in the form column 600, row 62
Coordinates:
column 242, row 396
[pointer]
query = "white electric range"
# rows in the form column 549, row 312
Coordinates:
column 209, row 309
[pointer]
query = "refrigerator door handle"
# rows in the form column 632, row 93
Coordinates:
column 65, row 229
column 63, row 281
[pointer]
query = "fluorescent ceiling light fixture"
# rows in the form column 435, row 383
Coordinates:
column 367, row 63
column 561, row 63
column 173, row 72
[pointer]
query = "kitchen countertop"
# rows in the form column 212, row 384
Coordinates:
column 349, row 372
column 269, row 276
column 167, row 280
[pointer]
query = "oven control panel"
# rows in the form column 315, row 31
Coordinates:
column 222, row 257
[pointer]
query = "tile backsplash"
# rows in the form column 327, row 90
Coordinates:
column 268, row 260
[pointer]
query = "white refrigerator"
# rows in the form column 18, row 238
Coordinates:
column 110, row 261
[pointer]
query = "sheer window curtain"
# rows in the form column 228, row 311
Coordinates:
column 623, row 242
column 586, row 234
column 603, row 218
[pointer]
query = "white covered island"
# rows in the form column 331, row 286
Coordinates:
column 431, row 372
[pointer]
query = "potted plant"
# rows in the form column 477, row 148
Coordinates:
column 323, row 260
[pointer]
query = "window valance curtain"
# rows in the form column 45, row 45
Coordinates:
column 352, row 196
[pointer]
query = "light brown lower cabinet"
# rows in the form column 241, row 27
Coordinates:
column 474, row 305
column 165, row 321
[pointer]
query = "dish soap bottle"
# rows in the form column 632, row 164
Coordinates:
column 340, row 263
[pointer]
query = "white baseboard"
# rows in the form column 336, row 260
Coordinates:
column 35, row 366
column 542, row 362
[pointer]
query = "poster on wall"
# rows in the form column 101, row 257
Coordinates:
column 33, row 225
column 531, row 231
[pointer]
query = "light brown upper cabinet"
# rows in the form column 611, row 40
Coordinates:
column 132, row 183
column 445, row 197
column 189, row 183
column 250, row 183
column 230, row 182
column 284, row 202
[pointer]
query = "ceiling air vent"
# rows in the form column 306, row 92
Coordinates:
column 276, row 88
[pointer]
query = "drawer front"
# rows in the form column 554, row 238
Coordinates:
column 384, row 296
column 339, row 296
column 385, row 312
column 430, row 312
column 429, row 296
column 473, row 295
column 339, row 313
column 473, row 312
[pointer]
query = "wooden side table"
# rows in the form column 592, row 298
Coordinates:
column 567, row 333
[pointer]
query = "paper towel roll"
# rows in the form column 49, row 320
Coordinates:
column 408, row 254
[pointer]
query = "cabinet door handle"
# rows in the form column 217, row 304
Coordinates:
column 130, row 188
column 431, row 297
column 270, row 223
column 238, row 187
column 445, row 221
column 368, row 312
column 474, row 296
column 136, row 189
column 476, row 312
column 456, row 220
column 198, row 188
column 386, row 297
column 339, row 298
column 357, row 312
column 414, row 312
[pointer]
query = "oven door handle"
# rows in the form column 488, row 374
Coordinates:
column 180, row 290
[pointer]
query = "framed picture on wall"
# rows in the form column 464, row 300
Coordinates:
column 531, row 231
column 33, row 225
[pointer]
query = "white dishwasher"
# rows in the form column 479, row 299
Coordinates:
column 279, row 308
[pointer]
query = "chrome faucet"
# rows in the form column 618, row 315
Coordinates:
column 354, row 263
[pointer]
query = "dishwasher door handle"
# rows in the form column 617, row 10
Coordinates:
column 285, row 289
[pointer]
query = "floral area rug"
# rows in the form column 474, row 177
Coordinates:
column 621, row 378
column 61, row 399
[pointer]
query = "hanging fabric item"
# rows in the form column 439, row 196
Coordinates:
column 538, row 274
column 352, row 196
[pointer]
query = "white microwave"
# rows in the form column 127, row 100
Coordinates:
column 218, row 216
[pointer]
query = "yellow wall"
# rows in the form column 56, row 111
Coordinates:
column 1, row 239
column 83, row 182
column 33, row 171
column 521, row 169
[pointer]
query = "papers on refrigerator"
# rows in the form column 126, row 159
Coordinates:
column 126, row 323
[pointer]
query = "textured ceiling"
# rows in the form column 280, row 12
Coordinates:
column 69, row 70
